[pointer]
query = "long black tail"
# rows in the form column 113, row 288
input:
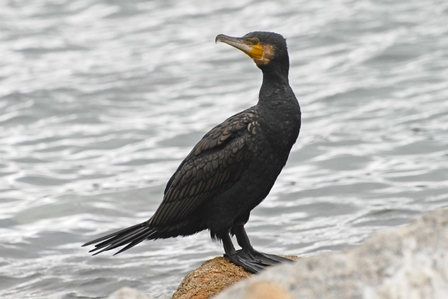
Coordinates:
column 130, row 236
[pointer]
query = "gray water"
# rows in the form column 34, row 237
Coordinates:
column 101, row 100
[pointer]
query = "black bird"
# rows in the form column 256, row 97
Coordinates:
column 232, row 168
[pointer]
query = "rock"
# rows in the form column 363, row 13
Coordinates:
column 409, row 262
column 128, row 293
column 210, row 278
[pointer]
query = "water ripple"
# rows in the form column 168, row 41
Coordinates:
column 101, row 100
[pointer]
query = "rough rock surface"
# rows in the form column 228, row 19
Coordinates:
column 211, row 278
column 409, row 262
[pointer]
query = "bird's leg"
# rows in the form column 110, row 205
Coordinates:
column 248, row 252
column 230, row 252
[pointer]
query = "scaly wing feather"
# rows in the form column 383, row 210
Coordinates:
column 214, row 164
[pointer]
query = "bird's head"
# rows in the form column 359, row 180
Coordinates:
column 265, row 48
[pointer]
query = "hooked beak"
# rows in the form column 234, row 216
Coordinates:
column 255, row 51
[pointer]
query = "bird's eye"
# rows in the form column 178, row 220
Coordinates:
column 255, row 41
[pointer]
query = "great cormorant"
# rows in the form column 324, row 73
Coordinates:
column 232, row 168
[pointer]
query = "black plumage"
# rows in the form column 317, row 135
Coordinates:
column 232, row 168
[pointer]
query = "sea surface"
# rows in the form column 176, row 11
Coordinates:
column 101, row 100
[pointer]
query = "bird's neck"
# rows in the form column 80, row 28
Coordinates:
column 279, row 113
column 274, row 88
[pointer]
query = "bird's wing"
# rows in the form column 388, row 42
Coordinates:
column 213, row 166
